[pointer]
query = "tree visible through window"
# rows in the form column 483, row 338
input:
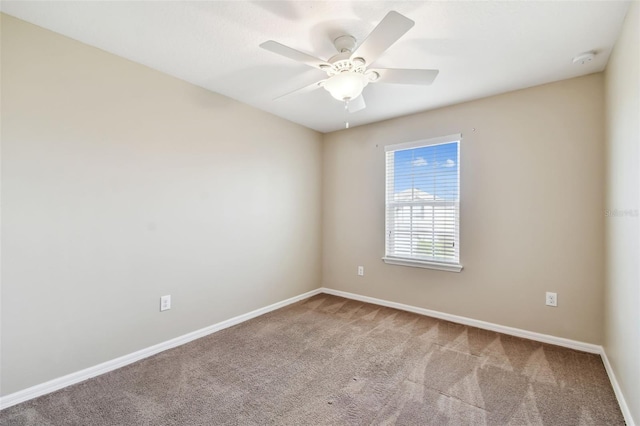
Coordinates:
column 423, row 201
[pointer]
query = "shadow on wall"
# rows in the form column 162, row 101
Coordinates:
column 207, row 99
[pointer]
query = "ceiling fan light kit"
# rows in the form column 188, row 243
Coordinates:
column 346, row 85
column 347, row 72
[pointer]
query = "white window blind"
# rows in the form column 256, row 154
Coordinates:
column 423, row 203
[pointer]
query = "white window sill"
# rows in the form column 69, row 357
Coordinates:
column 451, row 267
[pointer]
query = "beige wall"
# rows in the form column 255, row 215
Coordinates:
column 121, row 184
column 532, row 196
column 622, row 321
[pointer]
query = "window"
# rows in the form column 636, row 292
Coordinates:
column 423, row 203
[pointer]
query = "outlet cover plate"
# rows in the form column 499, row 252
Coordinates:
column 551, row 299
column 165, row 303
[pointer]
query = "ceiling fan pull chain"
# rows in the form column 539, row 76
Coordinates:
column 346, row 113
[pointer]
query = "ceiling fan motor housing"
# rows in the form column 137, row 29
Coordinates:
column 345, row 65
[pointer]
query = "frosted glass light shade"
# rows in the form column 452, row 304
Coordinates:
column 346, row 85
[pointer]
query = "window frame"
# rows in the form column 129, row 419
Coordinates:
column 454, row 266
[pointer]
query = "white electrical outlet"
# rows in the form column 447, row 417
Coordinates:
column 361, row 270
column 165, row 302
column 552, row 299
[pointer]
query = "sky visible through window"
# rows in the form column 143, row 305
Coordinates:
column 432, row 169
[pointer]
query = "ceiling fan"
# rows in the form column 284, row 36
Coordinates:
column 348, row 72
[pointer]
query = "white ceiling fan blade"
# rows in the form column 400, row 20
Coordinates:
column 357, row 104
column 405, row 76
column 389, row 30
column 305, row 89
column 296, row 55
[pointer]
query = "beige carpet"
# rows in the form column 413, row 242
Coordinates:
column 333, row 361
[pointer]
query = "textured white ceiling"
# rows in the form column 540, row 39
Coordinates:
column 481, row 48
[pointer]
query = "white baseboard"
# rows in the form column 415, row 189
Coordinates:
column 539, row 337
column 616, row 389
column 105, row 367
